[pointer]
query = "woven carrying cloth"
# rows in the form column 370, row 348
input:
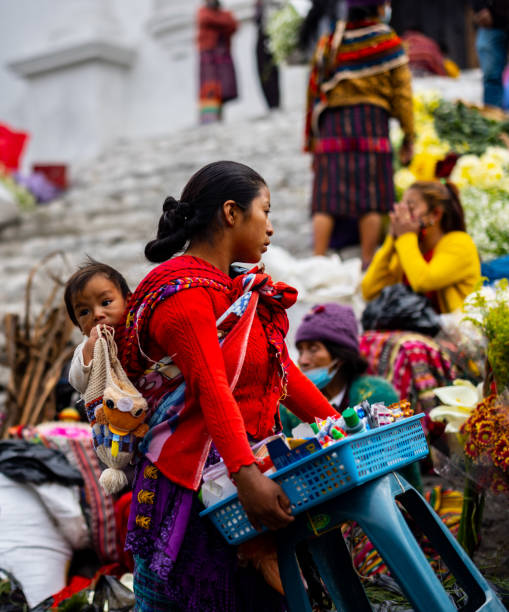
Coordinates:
column 250, row 294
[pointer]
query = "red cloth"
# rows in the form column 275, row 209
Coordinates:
column 184, row 326
column 214, row 27
column 424, row 53
column 122, row 508
column 79, row 583
column 11, row 147
column 252, row 406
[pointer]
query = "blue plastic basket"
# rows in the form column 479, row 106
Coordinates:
column 331, row 471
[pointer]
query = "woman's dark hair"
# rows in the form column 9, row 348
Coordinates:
column 352, row 364
column 196, row 215
column 83, row 274
column 330, row 10
column 320, row 9
column 359, row 13
column 444, row 196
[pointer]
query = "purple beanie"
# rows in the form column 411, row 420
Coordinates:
column 355, row 3
column 330, row 322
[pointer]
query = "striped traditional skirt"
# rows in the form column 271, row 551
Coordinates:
column 218, row 83
column 352, row 162
column 181, row 560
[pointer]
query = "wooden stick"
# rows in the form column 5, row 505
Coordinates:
column 49, row 383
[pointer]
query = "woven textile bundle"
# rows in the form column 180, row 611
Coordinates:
column 116, row 410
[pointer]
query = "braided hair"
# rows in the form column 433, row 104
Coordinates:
column 196, row 215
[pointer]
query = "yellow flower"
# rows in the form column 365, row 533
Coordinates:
column 489, row 170
column 465, row 170
column 423, row 166
column 404, row 178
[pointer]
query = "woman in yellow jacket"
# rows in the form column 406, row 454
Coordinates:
column 427, row 248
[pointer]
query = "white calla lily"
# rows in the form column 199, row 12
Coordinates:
column 459, row 400
column 457, row 395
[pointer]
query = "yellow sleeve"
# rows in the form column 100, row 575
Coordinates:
column 401, row 99
column 447, row 266
column 382, row 271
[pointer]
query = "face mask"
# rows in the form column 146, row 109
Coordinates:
column 321, row 377
column 387, row 14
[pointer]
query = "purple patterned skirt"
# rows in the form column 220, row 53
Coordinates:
column 181, row 560
column 353, row 173
column 218, row 82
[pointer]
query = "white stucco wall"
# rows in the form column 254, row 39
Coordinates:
column 74, row 111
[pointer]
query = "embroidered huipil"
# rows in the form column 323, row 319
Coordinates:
column 183, row 326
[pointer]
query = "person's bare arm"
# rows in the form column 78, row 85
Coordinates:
column 264, row 500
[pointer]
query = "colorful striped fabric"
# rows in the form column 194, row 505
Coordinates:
column 364, row 49
column 100, row 505
column 447, row 503
column 345, row 144
column 218, row 83
column 415, row 364
column 360, row 180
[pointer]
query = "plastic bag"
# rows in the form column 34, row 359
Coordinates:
column 398, row 307
column 111, row 591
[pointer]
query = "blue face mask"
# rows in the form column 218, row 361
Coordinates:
column 321, row 377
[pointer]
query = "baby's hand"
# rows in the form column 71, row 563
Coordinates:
column 88, row 347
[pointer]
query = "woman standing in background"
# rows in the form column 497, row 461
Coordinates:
column 359, row 79
column 268, row 71
column 218, row 83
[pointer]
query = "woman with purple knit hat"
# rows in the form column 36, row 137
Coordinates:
column 359, row 79
column 327, row 341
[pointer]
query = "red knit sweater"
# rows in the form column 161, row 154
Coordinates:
column 184, row 327
column 214, row 26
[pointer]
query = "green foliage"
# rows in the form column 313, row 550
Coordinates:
column 465, row 129
column 493, row 321
column 23, row 197
column 75, row 603
column 283, row 32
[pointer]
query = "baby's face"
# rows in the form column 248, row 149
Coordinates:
column 100, row 302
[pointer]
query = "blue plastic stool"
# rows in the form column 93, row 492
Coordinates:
column 373, row 506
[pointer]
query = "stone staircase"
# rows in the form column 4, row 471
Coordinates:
column 113, row 206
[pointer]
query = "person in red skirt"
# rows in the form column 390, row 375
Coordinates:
column 359, row 79
column 218, row 83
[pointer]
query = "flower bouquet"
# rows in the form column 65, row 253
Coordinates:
column 283, row 31
column 480, row 420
